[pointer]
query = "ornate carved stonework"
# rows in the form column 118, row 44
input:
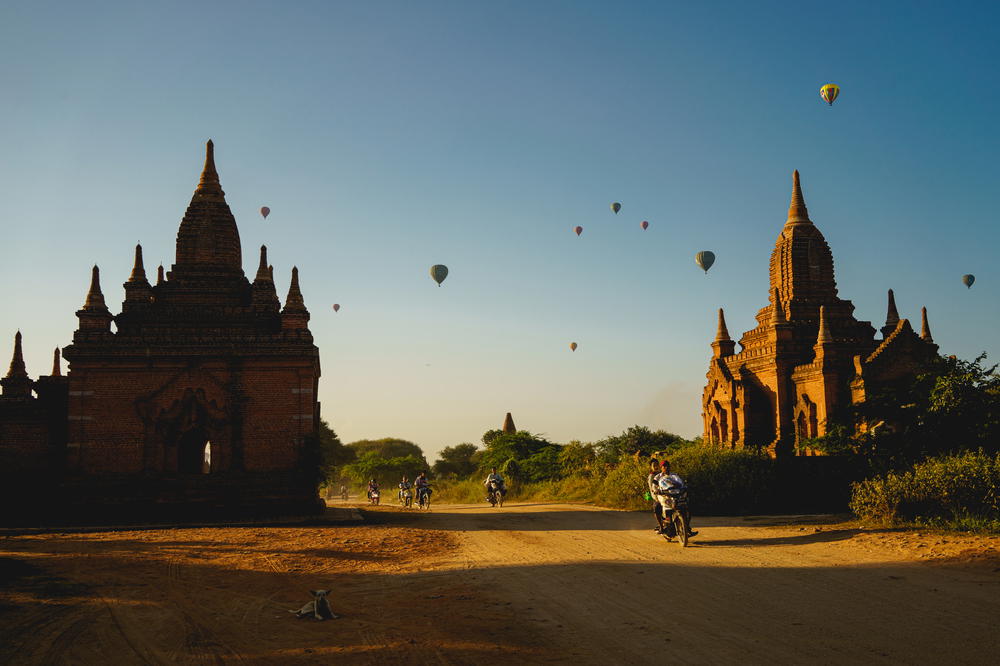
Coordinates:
column 807, row 357
column 203, row 364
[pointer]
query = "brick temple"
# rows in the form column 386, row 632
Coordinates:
column 203, row 399
column 808, row 359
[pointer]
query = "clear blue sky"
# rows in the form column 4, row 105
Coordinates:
column 390, row 136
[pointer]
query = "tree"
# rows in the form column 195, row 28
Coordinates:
column 456, row 461
column 964, row 406
column 953, row 406
column 637, row 439
column 333, row 453
column 324, row 455
column 387, row 471
column 533, row 458
column 389, row 447
column 577, row 458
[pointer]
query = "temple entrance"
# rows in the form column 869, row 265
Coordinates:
column 194, row 452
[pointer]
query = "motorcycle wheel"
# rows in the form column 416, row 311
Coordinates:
column 682, row 529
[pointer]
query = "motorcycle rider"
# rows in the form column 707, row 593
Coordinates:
column 494, row 477
column 653, row 487
column 372, row 487
column 666, row 482
column 422, row 485
column 403, row 486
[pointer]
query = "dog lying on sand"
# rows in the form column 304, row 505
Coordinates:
column 319, row 607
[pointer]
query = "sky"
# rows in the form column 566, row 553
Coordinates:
column 390, row 136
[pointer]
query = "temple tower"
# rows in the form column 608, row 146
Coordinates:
column 203, row 365
column 808, row 358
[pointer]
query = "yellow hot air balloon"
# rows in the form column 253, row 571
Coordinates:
column 572, row 346
column 829, row 92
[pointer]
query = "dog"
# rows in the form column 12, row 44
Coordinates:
column 319, row 607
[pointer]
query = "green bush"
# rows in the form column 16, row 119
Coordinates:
column 726, row 481
column 957, row 490
column 623, row 485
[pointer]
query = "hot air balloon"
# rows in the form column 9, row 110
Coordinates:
column 705, row 259
column 578, row 230
column 336, row 307
column 967, row 280
column 572, row 346
column 644, row 225
column 616, row 207
column 829, row 92
column 265, row 211
column 439, row 272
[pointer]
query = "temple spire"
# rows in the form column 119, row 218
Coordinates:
column 17, row 369
column 159, row 275
column 778, row 313
column 797, row 212
column 56, row 358
column 262, row 272
column 925, row 328
column 294, row 301
column 723, row 345
column 891, row 317
column 138, row 270
column 294, row 317
column 17, row 385
column 209, row 187
column 722, row 334
column 95, row 299
column 508, row 424
column 94, row 316
column 824, row 336
column 265, row 296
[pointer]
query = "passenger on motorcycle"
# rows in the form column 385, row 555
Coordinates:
column 422, row 485
column 667, row 485
column 372, row 487
column 494, row 477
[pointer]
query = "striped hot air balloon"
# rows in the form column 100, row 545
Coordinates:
column 829, row 93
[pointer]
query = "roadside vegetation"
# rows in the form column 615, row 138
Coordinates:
column 930, row 456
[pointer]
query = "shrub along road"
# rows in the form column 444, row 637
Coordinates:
column 529, row 582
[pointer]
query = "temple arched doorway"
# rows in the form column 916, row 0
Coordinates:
column 194, row 452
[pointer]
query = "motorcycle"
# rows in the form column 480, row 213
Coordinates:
column 406, row 498
column 424, row 498
column 373, row 497
column 676, row 514
column 494, row 495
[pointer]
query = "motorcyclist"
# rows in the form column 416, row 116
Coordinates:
column 372, row 487
column 422, row 485
column 667, row 484
column 653, row 488
column 403, row 486
column 494, row 477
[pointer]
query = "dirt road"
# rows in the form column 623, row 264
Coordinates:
column 530, row 583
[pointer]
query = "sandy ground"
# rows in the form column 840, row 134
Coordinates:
column 529, row 583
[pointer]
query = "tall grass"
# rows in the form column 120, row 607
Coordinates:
column 721, row 481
